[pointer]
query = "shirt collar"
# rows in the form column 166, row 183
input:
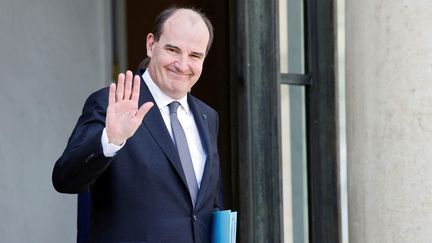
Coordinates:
column 162, row 100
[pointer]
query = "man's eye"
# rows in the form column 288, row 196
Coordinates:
column 172, row 50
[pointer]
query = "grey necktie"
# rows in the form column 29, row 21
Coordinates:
column 183, row 150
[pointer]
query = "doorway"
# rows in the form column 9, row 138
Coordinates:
column 136, row 19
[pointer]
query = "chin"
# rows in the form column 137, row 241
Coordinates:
column 179, row 94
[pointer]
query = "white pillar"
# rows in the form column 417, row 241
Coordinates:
column 389, row 120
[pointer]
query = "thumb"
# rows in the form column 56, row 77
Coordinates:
column 143, row 110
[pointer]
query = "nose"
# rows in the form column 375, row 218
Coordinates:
column 182, row 64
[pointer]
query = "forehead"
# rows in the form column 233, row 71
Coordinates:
column 186, row 29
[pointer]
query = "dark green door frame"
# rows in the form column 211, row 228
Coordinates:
column 255, row 95
column 323, row 176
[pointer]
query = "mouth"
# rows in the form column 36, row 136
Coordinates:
column 179, row 74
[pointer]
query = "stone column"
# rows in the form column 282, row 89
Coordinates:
column 389, row 120
column 53, row 54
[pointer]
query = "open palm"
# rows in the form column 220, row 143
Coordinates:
column 123, row 115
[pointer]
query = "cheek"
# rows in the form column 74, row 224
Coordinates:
column 165, row 61
column 197, row 68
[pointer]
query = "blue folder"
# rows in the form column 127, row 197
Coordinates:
column 224, row 227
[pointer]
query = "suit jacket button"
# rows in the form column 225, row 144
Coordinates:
column 194, row 217
column 89, row 157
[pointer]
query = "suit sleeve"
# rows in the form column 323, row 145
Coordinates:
column 83, row 160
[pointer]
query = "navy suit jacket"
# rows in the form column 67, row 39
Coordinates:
column 140, row 194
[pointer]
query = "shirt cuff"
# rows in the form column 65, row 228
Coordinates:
column 109, row 149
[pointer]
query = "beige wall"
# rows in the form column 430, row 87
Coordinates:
column 53, row 53
column 389, row 120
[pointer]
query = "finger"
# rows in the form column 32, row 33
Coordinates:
column 120, row 87
column 143, row 110
column 128, row 85
column 111, row 94
column 136, row 88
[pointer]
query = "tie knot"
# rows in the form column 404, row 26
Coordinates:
column 173, row 106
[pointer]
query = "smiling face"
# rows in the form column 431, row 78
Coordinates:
column 177, row 57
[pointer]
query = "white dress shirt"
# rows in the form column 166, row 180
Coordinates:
column 186, row 119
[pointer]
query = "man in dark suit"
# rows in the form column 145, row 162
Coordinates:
column 146, row 149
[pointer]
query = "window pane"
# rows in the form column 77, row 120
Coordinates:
column 291, row 36
column 294, row 170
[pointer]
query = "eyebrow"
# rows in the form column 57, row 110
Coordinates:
column 171, row 46
column 200, row 54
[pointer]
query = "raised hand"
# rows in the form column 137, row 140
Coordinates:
column 123, row 115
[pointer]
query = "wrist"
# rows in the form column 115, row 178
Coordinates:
column 114, row 141
column 109, row 149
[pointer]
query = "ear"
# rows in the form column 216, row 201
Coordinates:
column 150, row 44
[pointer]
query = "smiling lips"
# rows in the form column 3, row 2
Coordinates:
column 174, row 71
